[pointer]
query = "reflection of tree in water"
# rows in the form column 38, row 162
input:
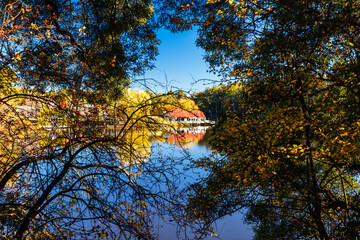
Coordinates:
column 68, row 181
column 61, row 178
column 71, row 62
column 136, row 150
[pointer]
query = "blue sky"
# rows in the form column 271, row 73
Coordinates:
column 179, row 64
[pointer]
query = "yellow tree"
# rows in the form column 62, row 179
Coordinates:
column 60, row 176
column 291, row 155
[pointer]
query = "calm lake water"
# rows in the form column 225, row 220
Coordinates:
column 228, row 228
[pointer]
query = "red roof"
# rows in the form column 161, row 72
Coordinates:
column 179, row 113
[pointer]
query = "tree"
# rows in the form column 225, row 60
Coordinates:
column 291, row 155
column 216, row 101
column 64, row 64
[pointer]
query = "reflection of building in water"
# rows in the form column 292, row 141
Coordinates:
column 197, row 129
column 187, row 137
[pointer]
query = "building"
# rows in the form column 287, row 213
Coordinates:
column 29, row 108
column 183, row 116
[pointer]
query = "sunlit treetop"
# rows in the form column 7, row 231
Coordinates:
column 233, row 33
column 95, row 45
column 292, row 151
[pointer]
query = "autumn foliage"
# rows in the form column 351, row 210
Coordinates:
column 74, row 140
column 291, row 154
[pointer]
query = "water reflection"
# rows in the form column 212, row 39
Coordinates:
column 136, row 147
column 142, row 151
column 187, row 137
column 190, row 143
column 181, row 145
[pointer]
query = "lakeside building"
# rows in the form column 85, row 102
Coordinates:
column 183, row 116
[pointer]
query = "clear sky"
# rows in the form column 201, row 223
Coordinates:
column 179, row 64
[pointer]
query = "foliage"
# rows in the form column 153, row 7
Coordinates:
column 291, row 155
column 216, row 101
column 77, row 44
column 71, row 165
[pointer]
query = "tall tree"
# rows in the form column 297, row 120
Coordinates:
column 292, row 155
column 63, row 172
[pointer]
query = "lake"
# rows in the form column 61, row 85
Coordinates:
column 144, row 163
column 189, row 145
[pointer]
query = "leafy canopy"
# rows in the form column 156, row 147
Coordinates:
column 291, row 155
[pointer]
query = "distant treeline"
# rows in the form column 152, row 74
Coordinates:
column 216, row 101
